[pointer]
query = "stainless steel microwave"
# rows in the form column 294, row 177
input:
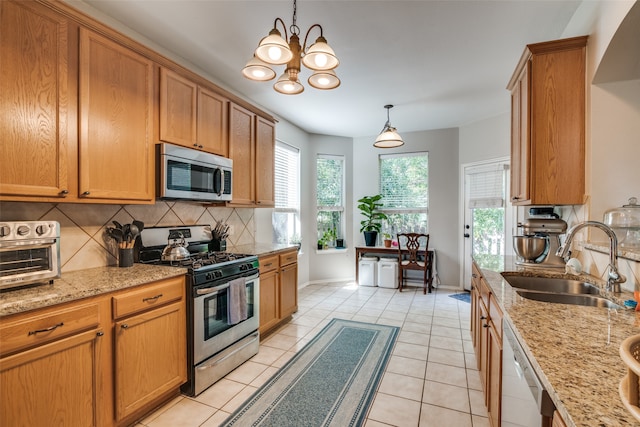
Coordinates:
column 188, row 174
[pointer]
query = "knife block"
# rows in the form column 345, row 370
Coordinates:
column 218, row 245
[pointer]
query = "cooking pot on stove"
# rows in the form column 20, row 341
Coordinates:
column 176, row 250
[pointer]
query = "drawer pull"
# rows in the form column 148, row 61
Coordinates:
column 49, row 329
column 151, row 298
column 268, row 265
column 100, row 334
column 124, row 326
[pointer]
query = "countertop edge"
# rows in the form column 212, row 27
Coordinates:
column 582, row 400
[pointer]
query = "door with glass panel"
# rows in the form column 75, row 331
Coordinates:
column 487, row 217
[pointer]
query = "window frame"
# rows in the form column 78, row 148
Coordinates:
column 295, row 210
column 387, row 228
column 332, row 208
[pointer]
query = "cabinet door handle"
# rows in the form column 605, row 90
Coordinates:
column 486, row 325
column 474, row 275
column 100, row 334
column 86, row 193
column 49, row 329
column 124, row 326
column 483, row 317
column 64, row 193
column 151, row 298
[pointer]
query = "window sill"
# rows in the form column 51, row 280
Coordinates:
column 331, row 251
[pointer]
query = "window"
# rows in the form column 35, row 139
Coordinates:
column 330, row 197
column 404, row 185
column 286, row 215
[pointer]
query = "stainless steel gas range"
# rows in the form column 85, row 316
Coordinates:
column 223, row 303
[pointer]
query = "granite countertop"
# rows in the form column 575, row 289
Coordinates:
column 260, row 249
column 574, row 349
column 80, row 284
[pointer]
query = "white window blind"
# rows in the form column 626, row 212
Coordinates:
column 404, row 182
column 330, row 182
column 287, row 171
column 487, row 186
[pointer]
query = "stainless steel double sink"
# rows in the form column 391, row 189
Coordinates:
column 559, row 290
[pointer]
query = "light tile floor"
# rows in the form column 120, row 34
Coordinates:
column 431, row 378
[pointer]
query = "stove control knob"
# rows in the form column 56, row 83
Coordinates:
column 41, row 229
column 4, row 230
column 209, row 276
column 23, row 230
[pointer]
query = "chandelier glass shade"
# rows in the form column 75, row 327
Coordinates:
column 389, row 137
column 276, row 50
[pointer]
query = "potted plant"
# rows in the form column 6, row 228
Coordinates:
column 372, row 224
column 320, row 244
column 387, row 240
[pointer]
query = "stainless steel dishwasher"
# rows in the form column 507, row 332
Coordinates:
column 525, row 402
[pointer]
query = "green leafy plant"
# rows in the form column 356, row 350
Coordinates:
column 369, row 206
column 386, row 236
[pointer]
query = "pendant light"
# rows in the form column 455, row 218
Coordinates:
column 276, row 50
column 389, row 137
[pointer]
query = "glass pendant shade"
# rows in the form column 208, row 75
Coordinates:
column 288, row 85
column 324, row 80
column 388, row 138
column 273, row 49
column 258, row 70
column 320, row 56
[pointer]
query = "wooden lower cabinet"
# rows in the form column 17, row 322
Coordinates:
column 54, row 384
column 288, row 289
column 269, row 300
column 486, row 332
column 278, row 288
column 150, row 357
column 51, row 366
column 557, row 420
column 77, row 364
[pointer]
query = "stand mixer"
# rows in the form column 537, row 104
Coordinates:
column 544, row 231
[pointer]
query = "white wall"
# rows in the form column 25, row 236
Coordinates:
column 613, row 119
column 486, row 139
column 442, row 146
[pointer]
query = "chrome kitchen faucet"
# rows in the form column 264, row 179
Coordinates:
column 614, row 277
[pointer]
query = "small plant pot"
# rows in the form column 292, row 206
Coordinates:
column 339, row 243
column 387, row 243
column 370, row 238
column 320, row 246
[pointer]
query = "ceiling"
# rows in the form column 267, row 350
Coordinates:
column 441, row 63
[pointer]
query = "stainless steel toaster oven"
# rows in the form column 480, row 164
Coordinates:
column 29, row 253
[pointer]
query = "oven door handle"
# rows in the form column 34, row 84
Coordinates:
column 212, row 291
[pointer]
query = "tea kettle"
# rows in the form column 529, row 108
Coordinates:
column 177, row 250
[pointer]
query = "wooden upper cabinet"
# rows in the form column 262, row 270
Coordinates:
column 242, row 152
column 191, row 115
column 116, row 156
column 265, row 162
column 178, row 97
column 548, row 124
column 212, row 122
column 37, row 97
column 520, row 138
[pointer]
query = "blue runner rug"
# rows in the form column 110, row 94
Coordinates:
column 330, row 382
column 464, row 297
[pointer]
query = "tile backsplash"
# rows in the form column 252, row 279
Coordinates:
column 84, row 244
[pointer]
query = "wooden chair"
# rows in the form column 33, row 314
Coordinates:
column 413, row 257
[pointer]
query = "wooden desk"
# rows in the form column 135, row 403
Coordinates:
column 361, row 250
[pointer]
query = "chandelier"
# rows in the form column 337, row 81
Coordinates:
column 275, row 50
column 389, row 137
